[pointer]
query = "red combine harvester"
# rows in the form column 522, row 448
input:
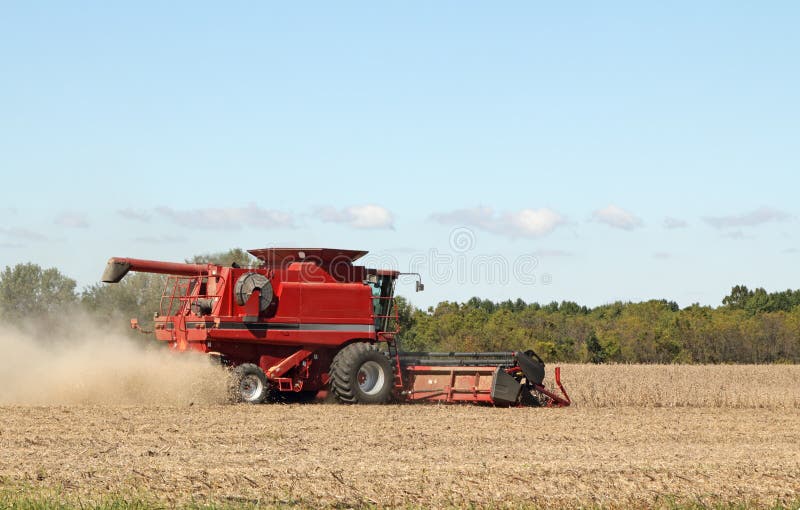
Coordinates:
column 308, row 319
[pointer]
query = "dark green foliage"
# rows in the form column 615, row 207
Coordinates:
column 595, row 351
column 752, row 327
column 759, row 300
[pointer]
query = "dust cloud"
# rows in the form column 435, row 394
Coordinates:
column 88, row 366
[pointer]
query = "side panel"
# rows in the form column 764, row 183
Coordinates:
column 288, row 298
column 449, row 384
column 336, row 302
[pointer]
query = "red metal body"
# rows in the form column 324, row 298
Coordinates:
column 450, row 384
column 472, row 384
column 319, row 302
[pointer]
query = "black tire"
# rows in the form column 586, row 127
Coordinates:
column 361, row 374
column 249, row 384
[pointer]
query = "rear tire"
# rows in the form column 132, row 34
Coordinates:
column 249, row 384
column 361, row 374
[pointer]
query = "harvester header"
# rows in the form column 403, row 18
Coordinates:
column 308, row 319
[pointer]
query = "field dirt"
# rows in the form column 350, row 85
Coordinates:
column 424, row 455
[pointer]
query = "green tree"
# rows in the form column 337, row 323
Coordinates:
column 738, row 297
column 226, row 258
column 405, row 313
column 572, row 308
column 596, row 352
column 137, row 296
column 28, row 292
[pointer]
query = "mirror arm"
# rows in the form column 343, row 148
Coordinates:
column 418, row 284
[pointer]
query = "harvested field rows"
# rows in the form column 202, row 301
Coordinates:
column 626, row 450
column 403, row 455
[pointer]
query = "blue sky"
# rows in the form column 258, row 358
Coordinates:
column 590, row 152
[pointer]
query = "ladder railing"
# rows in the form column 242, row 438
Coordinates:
column 179, row 293
column 389, row 336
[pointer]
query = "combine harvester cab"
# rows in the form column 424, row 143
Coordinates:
column 308, row 319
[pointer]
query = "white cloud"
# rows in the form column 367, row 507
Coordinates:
column 135, row 214
column 737, row 235
column 228, row 217
column 750, row 219
column 534, row 222
column 72, row 219
column 22, row 234
column 672, row 223
column 368, row 216
column 616, row 217
column 522, row 223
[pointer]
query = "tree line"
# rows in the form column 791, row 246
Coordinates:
column 655, row 331
column 749, row 326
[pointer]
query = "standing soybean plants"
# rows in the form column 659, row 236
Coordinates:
column 714, row 386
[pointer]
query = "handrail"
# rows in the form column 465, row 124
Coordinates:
column 395, row 313
column 180, row 292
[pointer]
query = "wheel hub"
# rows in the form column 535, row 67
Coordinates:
column 250, row 387
column 371, row 378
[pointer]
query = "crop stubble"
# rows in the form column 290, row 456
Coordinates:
column 617, row 452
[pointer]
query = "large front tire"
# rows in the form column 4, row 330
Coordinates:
column 361, row 374
column 249, row 384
